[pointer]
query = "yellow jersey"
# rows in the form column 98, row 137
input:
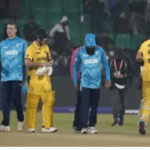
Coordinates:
column 37, row 55
column 145, row 50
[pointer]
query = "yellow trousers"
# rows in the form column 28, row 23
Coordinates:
column 39, row 88
column 145, row 103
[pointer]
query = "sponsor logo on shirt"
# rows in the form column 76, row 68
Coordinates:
column 17, row 45
column 41, row 58
column 13, row 52
column 90, row 61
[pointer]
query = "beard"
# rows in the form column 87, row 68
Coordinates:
column 90, row 50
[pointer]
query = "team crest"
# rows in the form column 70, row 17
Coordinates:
column 17, row 45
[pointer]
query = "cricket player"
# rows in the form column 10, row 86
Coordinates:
column 12, row 52
column 90, row 57
column 143, row 57
column 76, row 122
column 39, row 87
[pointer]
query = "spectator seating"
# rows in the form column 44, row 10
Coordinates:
column 123, row 40
column 137, row 40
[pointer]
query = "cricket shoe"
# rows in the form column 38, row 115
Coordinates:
column 31, row 130
column 92, row 130
column 115, row 123
column 20, row 126
column 76, row 129
column 84, row 131
column 121, row 123
column 142, row 129
column 4, row 128
column 50, row 130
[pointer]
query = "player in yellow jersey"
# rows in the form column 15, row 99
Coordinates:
column 39, row 87
column 143, row 56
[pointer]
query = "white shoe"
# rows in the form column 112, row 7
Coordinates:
column 20, row 126
column 84, row 131
column 4, row 128
column 92, row 130
column 31, row 130
column 50, row 130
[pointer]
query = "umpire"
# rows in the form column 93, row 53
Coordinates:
column 122, row 70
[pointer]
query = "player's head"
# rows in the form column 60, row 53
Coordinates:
column 41, row 36
column 90, row 43
column 11, row 29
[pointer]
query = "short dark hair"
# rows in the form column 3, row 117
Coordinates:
column 12, row 23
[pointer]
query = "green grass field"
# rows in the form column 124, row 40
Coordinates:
column 126, row 135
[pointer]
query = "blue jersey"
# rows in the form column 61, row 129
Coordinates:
column 12, row 53
column 91, row 68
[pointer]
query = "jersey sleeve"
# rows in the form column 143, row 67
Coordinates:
column 29, row 54
column 105, row 65
column 75, row 68
column 24, row 48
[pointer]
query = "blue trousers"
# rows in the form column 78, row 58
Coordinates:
column 89, row 99
column 11, row 90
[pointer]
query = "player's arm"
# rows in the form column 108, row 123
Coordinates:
column 29, row 60
column 75, row 68
column 139, row 55
column 106, row 69
column 105, row 65
column 25, row 46
column 49, row 57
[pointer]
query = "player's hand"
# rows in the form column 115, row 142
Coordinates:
column 107, row 84
column 44, row 65
column 50, row 63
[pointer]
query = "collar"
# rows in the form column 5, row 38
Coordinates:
column 36, row 46
column 13, row 38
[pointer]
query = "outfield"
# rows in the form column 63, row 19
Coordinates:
column 126, row 135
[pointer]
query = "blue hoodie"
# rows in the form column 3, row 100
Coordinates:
column 90, row 65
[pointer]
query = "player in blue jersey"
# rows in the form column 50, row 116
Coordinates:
column 90, row 57
column 12, row 52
